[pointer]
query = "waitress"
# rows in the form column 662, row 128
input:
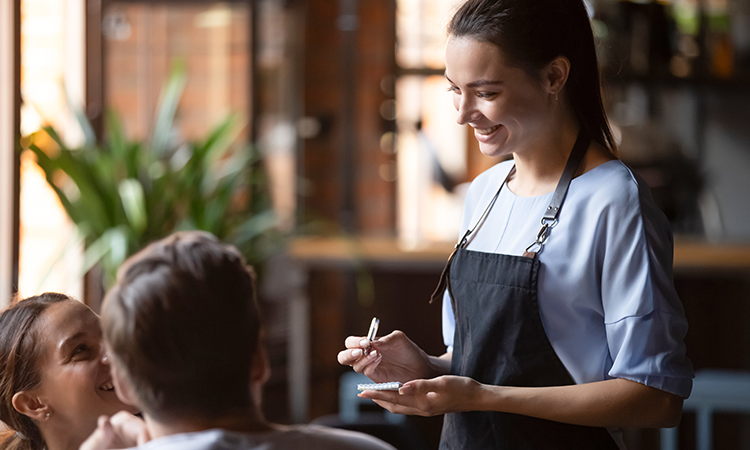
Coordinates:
column 559, row 312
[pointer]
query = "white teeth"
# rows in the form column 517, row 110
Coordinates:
column 486, row 131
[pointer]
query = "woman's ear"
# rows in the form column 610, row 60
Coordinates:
column 556, row 75
column 26, row 403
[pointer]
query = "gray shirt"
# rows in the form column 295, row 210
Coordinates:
column 308, row 437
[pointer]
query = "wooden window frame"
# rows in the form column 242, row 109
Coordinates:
column 10, row 118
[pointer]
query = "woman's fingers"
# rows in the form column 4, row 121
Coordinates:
column 358, row 360
column 101, row 438
column 353, row 342
column 397, row 403
column 426, row 397
column 400, row 409
column 357, row 349
column 367, row 364
column 129, row 429
column 348, row 357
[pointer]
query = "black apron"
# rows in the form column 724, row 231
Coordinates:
column 499, row 340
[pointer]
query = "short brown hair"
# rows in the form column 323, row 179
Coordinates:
column 183, row 323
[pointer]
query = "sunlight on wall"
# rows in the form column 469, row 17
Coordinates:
column 432, row 148
column 51, row 50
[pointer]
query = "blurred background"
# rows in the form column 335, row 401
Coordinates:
column 318, row 136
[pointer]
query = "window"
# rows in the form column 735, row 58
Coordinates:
column 52, row 66
column 8, row 132
column 142, row 41
column 436, row 157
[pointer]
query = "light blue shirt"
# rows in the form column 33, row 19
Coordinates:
column 605, row 290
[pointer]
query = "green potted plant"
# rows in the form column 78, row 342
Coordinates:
column 122, row 194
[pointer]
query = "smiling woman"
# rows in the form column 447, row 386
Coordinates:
column 53, row 384
column 560, row 348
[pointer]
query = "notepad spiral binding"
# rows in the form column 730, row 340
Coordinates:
column 389, row 386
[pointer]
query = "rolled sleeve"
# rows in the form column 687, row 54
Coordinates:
column 650, row 350
column 644, row 319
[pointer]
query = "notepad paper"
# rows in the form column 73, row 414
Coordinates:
column 389, row 386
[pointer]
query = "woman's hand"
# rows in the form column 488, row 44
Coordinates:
column 439, row 395
column 391, row 358
column 122, row 430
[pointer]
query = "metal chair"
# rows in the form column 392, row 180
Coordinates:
column 349, row 402
column 713, row 391
column 392, row 428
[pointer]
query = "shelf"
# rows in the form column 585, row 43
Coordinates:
column 665, row 80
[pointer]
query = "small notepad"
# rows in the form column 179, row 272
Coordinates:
column 389, row 386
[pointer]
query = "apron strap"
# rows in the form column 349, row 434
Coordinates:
column 444, row 282
column 549, row 220
column 571, row 167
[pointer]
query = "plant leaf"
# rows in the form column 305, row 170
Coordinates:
column 134, row 204
column 168, row 101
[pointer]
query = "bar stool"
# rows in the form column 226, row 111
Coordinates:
column 713, row 391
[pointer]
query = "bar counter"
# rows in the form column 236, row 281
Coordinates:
column 693, row 260
column 689, row 254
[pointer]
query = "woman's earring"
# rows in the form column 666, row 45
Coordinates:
column 46, row 417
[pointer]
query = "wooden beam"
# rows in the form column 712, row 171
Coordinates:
column 10, row 34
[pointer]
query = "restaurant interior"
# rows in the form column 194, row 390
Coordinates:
column 349, row 171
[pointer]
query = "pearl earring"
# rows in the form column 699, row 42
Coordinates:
column 47, row 416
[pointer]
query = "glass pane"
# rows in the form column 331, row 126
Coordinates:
column 51, row 68
column 420, row 28
column 279, row 91
column 142, row 41
column 431, row 161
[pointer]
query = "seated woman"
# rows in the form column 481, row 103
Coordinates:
column 54, row 375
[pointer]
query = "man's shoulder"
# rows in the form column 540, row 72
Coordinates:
column 293, row 438
column 327, row 438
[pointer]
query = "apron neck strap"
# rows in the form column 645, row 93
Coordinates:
column 549, row 219
column 571, row 167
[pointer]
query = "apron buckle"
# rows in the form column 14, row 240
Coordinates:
column 541, row 236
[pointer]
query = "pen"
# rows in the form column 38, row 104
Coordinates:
column 372, row 332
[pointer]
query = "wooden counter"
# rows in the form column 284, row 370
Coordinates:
column 693, row 260
column 688, row 254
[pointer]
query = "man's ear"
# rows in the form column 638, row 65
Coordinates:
column 556, row 74
column 28, row 404
column 260, row 372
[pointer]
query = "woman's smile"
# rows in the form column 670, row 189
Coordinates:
column 487, row 131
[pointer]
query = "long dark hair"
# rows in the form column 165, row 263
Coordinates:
column 531, row 33
column 19, row 353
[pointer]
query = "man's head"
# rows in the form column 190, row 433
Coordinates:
column 182, row 326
